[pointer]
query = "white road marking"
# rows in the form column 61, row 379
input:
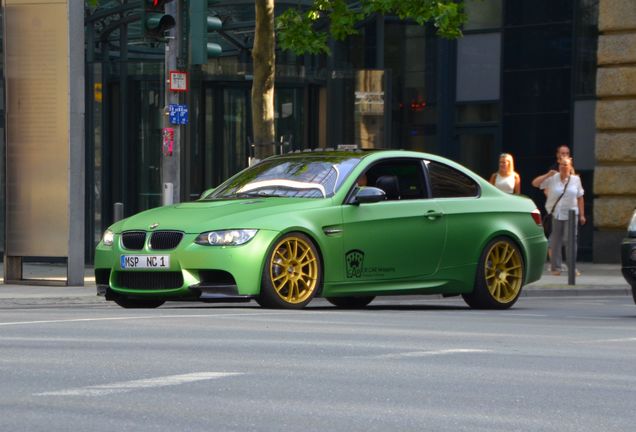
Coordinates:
column 630, row 339
column 136, row 318
column 430, row 353
column 128, row 386
column 528, row 315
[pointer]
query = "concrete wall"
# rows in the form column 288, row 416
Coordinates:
column 615, row 173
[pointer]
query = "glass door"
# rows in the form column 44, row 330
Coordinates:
column 226, row 131
column 478, row 149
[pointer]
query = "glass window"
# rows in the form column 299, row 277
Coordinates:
column 478, row 64
column 477, row 151
column 522, row 12
column 400, row 179
column 477, row 113
column 538, row 47
column 447, row 182
column 410, row 58
column 301, row 177
column 586, row 43
column 482, row 14
column 537, row 91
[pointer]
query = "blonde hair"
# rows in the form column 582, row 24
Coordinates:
column 508, row 157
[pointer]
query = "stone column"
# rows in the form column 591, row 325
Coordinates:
column 615, row 172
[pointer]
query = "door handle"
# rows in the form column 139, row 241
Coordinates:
column 432, row 214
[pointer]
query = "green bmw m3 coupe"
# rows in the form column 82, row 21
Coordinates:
column 346, row 226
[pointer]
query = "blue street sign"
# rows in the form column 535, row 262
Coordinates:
column 178, row 114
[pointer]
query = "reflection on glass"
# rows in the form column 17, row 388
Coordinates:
column 477, row 113
column 482, row 14
column 234, row 134
column 410, row 56
column 477, row 152
column 478, row 67
column 369, row 108
column 586, row 43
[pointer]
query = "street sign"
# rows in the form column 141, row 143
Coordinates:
column 178, row 114
column 178, row 81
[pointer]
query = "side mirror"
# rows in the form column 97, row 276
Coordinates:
column 206, row 193
column 369, row 194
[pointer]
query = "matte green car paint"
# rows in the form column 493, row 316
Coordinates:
column 389, row 247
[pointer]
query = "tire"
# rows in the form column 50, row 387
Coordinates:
column 129, row 303
column 499, row 278
column 350, row 302
column 634, row 292
column 292, row 274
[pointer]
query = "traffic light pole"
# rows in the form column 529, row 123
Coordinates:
column 171, row 136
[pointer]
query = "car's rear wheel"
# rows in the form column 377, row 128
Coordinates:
column 500, row 275
column 293, row 273
column 129, row 303
column 350, row 302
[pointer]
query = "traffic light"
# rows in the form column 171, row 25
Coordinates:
column 154, row 19
column 200, row 25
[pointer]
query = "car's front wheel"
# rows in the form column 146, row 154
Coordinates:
column 293, row 273
column 499, row 278
column 129, row 303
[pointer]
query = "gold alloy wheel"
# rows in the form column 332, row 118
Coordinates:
column 503, row 271
column 294, row 270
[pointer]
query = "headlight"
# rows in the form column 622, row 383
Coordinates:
column 631, row 228
column 108, row 237
column 226, row 237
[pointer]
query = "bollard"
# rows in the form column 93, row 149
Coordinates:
column 572, row 221
column 118, row 211
column 167, row 197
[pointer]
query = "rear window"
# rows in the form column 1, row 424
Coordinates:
column 447, row 182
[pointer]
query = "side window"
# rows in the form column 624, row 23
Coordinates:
column 447, row 182
column 400, row 179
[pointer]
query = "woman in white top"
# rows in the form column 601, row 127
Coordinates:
column 506, row 179
column 565, row 188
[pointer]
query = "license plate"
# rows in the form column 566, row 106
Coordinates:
column 145, row 261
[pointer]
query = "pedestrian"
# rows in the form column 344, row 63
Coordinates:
column 565, row 192
column 506, row 179
column 561, row 151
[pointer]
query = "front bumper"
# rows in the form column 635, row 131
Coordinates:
column 628, row 262
column 196, row 272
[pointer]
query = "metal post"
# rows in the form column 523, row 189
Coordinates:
column 171, row 163
column 571, row 245
column 168, row 194
column 118, row 211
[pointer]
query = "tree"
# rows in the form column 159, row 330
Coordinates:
column 307, row 30
column 264, row 61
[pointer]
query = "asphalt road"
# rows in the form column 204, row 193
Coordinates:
column 548, row 364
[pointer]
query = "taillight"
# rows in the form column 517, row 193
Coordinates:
column 536, row 215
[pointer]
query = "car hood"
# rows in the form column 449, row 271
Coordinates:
column 199, row 216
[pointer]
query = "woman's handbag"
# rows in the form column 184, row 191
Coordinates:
column 547, row 219
column 547, row 224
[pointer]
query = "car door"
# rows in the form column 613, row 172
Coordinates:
column 402, row 237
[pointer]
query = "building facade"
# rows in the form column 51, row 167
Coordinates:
column 521, row 80
column 615, row 171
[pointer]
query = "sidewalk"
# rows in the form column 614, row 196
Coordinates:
column 595, row 280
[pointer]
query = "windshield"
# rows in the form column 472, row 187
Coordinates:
column 305, row 177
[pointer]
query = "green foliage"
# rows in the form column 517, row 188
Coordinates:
column 307, row 30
